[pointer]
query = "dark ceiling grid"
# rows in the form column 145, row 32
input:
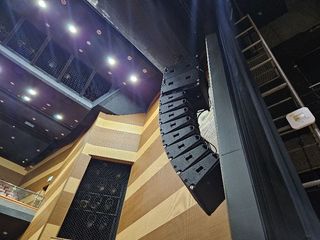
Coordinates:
column 48, row 51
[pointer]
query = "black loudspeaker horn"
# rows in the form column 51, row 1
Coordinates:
column 183, row 94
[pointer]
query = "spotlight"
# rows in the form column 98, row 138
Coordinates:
column 42, row 4
column 26, row 98
column 58, row 116
column 72, row 28
column 32, row 91
column 111, row 61
column 133, row 78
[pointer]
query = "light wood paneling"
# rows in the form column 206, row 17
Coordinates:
column 157, row 204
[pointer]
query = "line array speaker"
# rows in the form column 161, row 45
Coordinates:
column 183, row 94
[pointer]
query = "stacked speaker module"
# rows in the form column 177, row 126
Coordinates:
column 184, row 92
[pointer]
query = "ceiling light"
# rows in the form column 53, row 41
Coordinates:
column 26, row 159
column 111, row 61
column 72, row 28
column 5, row 233
column 42, row 4
column 133, row 78
column 1, row 101
column 47, row 25
column 12, row 83
column 144, row 70
column 38, row 150
column 62, row 134
column 1, row 147
column 26, row 98
column 32, row 91
column 13, row 126
column 33, row 118
column 99, row 32
column 80, row 50
column 23, row 161
column 124, row 83
column 76, row 121
column 48, row 104
column 88, row 43
column 110, row 73
column 47, row 130
column 129, row 58
column 13, row 137
column 58, row 116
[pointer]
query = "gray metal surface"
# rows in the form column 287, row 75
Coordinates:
column 243, row 212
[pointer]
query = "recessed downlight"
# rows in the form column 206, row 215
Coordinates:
column 72, row 28
column 80, row 50
column 58, row 116
column 42, row 4
column 111, row 61
column 32, row 91
column 13, row 137
column 26, row 98
column 133, row 78
column 88, row 43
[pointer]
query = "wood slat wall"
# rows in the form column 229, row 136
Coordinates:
column 108, row 135
column 11, row 172
column 157, row 204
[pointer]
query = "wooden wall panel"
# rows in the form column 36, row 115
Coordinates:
column 158, row 205
column 11, row 172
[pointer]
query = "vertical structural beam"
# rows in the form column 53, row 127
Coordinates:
column 243, row 211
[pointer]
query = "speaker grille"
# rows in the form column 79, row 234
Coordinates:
column 95, row 210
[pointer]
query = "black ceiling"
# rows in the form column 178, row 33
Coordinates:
column 69, row 73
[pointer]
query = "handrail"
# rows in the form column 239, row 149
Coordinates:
column 24, row 196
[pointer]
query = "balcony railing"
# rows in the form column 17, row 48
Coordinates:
column 24, row 196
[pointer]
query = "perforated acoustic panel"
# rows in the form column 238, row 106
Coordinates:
column 96, row 208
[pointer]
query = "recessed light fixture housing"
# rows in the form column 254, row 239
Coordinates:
column 58, row 116
column 32, row 91
column 72, row 28
column 111, row 61
column 42, row 4
column 26, row 98
column 133, row 78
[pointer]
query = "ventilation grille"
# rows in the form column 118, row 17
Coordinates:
column 53, row 59
column 95, row 210
column 27, row 40
column 76, row 75
column 97, row 88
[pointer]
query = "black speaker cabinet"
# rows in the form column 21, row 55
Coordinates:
column 96, row 207
column 184, row 92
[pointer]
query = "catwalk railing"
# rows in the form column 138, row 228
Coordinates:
column 14, row 193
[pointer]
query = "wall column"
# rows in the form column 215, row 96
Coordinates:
column 245, row 222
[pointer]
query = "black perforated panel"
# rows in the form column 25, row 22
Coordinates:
column 27, row 40
column 96, row 208
column 53, row 59
column 97, row 87
column 76, row 75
